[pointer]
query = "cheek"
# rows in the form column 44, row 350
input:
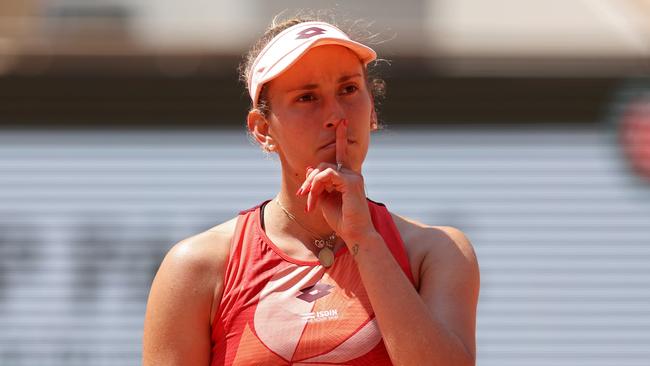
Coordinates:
column 297, row 118
column 364, row 142
column 361, row 105
column 293, row 134
column 362, row 118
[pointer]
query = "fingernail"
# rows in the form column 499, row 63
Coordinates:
column 299, row 191
column 307, row 208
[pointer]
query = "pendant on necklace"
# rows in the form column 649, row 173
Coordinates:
column 326, row 257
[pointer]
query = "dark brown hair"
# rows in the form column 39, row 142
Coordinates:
column 356, row 31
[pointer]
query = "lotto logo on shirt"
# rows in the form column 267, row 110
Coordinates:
column 315, row 292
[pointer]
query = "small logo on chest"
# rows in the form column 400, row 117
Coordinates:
column 320, row 316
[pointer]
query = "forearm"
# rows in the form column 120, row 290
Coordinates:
column 411, row 333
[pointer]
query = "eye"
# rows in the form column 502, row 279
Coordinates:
column 306, row 98
column 349, row 89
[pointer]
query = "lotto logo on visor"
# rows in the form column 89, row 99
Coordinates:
column 310, row 32
column 291, row 44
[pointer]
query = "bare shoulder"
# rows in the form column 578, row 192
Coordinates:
column 435, row 247
column 205, row 250
column 448, row 275
column 200, row 260
column 184, row 296
column 215, row 240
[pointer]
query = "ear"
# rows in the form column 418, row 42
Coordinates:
column 374, row 126
column 373, row 120
column 259, row 128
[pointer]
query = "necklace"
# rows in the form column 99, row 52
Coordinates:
column 325, row 246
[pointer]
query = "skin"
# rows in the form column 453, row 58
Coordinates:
column 431, row 323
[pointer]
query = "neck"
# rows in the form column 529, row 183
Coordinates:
column 290, row 217
column 313, row 221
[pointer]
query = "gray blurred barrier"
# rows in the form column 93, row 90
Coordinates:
column 559, row 225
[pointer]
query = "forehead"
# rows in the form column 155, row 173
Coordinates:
column 320, row 64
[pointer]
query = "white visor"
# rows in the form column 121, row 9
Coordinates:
column 288, row 46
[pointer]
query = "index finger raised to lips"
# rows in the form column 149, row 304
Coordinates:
column 341, row 142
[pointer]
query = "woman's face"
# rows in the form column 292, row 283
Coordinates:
column 310, row 99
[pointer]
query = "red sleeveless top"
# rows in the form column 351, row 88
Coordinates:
column 276, row 310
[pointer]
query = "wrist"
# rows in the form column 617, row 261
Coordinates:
column 362, row 237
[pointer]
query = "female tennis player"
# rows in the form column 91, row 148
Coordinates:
column 320, row 274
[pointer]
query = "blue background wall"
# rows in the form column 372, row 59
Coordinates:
column 559, row 224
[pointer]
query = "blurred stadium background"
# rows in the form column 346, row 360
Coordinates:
column 524, row 123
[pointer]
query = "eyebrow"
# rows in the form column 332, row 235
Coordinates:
column 342, row 79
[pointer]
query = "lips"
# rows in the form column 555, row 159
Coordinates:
column 332, row 144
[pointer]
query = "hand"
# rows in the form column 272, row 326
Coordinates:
column 340, row 195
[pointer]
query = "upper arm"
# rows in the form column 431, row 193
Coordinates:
column 177, row 321
column 450, row 281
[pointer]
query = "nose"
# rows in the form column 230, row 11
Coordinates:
column 336, row 116
column 334, row 123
